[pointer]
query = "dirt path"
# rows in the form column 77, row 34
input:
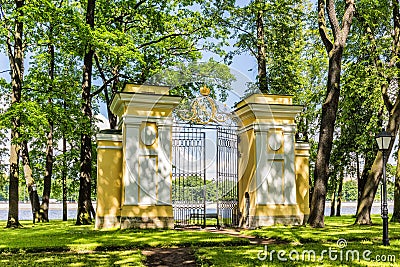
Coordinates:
column 166, row 257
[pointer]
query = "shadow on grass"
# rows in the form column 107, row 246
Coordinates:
column 60, row 236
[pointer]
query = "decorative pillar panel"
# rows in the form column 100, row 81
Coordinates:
column 148, row 180
column 262, row 168
column 289, row 172
column 131, row 171
column 271, row 117
column 164, row 163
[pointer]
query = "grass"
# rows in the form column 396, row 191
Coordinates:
column 109, row 258
column 349, row 245
column 336, row 228
column 64, row 244
column 59, row 236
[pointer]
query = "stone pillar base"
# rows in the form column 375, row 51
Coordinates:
column 106, row 222
column 259, row 221
column 147, row 222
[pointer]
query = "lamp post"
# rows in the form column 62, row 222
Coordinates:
column 383, row 139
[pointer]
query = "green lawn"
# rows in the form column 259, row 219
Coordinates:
column 340, row 243
column 65, row 236
column 64, row 244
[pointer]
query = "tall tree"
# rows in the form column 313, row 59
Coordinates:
column 261, row 53
column 334, row 49
column 386, row 66
column 49, row 149
column 15, row 50
column 85, row 207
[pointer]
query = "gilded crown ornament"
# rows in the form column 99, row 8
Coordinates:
column 202, row 110
column 205, row 91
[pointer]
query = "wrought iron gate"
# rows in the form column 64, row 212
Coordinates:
column 227, row 173
column 199, row 200
column 188, row 176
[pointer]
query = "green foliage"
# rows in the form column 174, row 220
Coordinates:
column 285, row 31
column 185, row 79
column 350, row 191
column 191, row 188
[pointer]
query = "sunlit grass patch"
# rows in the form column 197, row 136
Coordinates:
column 335, row 228
column 312, row 254
column 65, row 236
column 113, row 258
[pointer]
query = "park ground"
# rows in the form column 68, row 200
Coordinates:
column 340, row 243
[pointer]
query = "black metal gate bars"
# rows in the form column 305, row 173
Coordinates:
column 204, row 186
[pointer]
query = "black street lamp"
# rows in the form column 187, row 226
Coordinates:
column 383, row 139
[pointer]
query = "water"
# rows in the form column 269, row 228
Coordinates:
column 349, row 208
column 25, row 211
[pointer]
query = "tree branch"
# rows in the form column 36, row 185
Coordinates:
column 333, row 20
column 322, row 26
column 103, row 86
column 386, row 99
column 347, row 20
column 139, row 4
column 162, row 39
column 100, row 69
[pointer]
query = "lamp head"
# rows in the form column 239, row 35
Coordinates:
column 383, row 139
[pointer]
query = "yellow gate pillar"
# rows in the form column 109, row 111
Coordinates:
column 273, row 168
column 141, row 187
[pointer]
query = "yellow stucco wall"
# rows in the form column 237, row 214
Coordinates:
column 302, row 179
column 109, row 178
column 247, row 168
column 267, row 99
column 141, row 88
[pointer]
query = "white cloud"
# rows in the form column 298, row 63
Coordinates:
column 102, row 122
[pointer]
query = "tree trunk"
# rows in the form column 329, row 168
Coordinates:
column 16, row 58
column 329, row 110
column 369, row 161
column 396, row 208
column 13, row 196
column 30, row 182
column 44, row 208
column 371, row 185
column 339, row 194
column 64, row 177
column 261, row 55
column 84, row 200
column 333, row 200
